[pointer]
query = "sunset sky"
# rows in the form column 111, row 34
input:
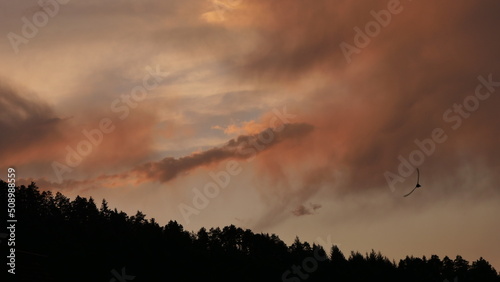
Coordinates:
column 299, row 118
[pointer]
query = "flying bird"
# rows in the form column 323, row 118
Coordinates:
column 416, row 186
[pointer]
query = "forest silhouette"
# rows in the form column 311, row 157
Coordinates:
column 62, row 240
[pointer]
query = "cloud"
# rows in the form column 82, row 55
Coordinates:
column 369, row 112
column 27, row 126
column 39, row 135
column 243, row 147
column 396, row 90
column 248, row 127
column 303, row 210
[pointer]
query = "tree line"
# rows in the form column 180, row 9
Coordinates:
column 62, row 240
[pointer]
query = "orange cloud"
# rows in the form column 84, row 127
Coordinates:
column 246, row 128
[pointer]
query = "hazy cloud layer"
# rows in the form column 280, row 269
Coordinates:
column 396, row 90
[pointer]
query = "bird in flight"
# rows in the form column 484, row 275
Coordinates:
column 416, row 186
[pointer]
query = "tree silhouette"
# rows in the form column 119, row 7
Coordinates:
column 63, row 240
column 481, row 270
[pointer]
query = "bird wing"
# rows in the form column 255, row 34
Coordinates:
column 410, row 192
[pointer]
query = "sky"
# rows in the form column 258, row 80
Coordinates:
column 299, row 118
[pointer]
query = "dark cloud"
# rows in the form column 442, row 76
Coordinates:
column 243, row 147
column 26, row 125
column 20, row 112
column 306, row 210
